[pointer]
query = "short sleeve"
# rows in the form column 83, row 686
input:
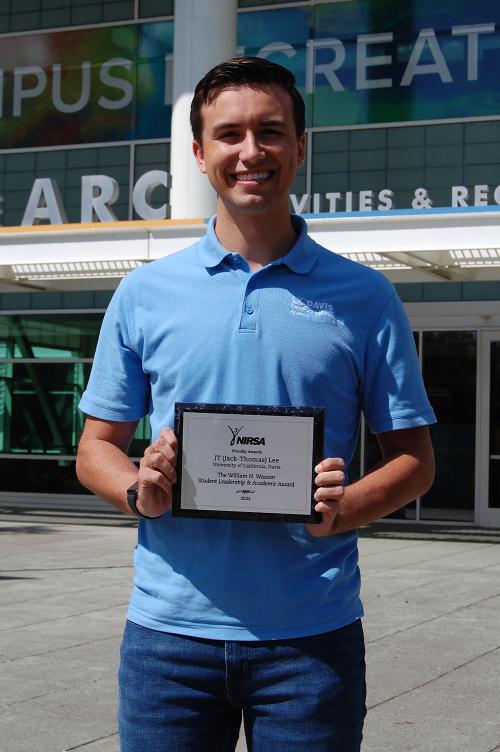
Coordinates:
column 393, row 393
column 118, row 389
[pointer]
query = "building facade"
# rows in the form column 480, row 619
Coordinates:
column 402, row 173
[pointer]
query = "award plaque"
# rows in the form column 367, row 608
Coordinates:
column 247, row 462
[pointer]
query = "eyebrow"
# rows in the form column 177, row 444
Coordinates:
column 227, row 126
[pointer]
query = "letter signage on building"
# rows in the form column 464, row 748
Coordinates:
column 357, row 62
column 86, row 86
column 385, row 61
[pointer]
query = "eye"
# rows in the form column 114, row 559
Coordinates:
column 271, row 132
column 228, row 136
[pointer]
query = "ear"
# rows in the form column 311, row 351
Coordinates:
column 199, row 156
column 301, row 150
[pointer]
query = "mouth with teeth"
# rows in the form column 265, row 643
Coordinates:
column 258, row 176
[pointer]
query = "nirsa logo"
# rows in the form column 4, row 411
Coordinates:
column 237, row 439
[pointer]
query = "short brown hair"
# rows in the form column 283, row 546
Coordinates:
column 244, row 71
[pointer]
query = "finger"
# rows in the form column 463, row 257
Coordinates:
column 329, row 508
column 330, row 463
column 149, row 477
column 168, row 437
column 163, row 448
column 334, row 477
column 329, row 493
column 157, row 461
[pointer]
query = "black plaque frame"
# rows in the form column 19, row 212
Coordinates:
column 318, row 415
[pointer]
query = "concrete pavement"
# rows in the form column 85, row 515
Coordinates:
column 432, row 602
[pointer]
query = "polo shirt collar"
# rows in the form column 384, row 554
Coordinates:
column 300, row 258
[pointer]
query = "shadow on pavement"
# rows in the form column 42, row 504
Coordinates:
column 452, row 533
column 27, row 528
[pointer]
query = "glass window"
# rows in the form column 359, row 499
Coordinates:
column 45, row 362
column 39, row 407
column 494, row 464
column 452, row 392
column 49, row 336
column 56, row 476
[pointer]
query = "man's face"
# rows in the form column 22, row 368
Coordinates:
column 250, row 150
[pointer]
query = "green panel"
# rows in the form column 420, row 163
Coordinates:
column 327, row 183
column 299, row 184
column 122, row 10
column 86, row 15
column 24, row 21
column 442, row 291
column 369, row 139
column 368, row 180
column 331, row 141
column 256, row 3
column 411, row 157
column 53, row 18
column 51, row 160
column 19, row 162
column 24, row 5
column 481, row 290
column 442, row 177
column 401, row 138
column 482, row 132
column 405, row 179
column 438, row 156
column 151, row 8
column 444, row 134
column 370, row 159
column 329, row 162
column 482, row 175
column 482, row 154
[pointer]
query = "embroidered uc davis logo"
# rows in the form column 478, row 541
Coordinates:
column 316, row 310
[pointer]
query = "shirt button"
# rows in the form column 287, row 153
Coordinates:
column 249, row 309
column 237, row 260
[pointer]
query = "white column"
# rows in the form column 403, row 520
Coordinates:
column 204, row 35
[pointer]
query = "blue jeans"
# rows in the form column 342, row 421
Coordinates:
column 184, row 694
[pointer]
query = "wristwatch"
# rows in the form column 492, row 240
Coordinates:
column 132, row 502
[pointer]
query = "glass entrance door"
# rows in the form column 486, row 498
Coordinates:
column 489, row 480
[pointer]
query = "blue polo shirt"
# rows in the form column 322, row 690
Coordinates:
column 311, row 328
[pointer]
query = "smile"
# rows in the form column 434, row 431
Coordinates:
column 252, row 176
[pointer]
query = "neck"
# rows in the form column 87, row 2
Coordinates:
column 259, row 237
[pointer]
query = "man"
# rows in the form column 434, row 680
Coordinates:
column 231, row 616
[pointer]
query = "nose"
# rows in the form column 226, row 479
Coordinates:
column 251, row 149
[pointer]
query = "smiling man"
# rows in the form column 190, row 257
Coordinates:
column 260, row 619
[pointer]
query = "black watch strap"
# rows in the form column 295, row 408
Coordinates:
column 132, row 502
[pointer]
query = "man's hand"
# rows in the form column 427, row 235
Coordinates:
column 330, row 481
column 405, row 472
column 157, row 475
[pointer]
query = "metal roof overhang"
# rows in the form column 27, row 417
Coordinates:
column 407, row 246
